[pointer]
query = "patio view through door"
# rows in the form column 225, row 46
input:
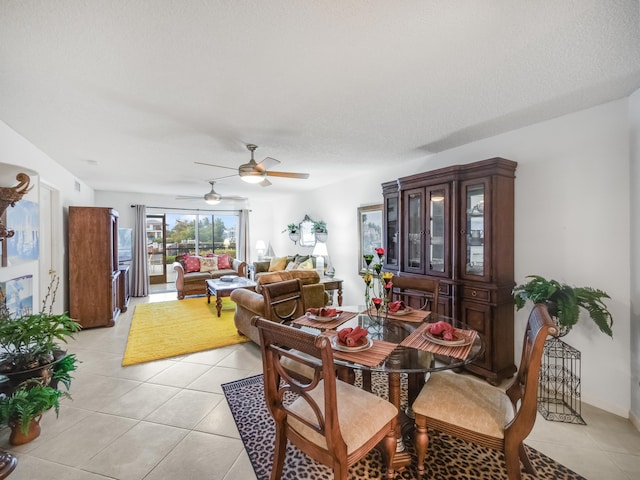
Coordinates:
column 156, row 249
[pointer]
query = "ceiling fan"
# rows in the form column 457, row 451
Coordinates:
column 253, row 172
column 212, row 197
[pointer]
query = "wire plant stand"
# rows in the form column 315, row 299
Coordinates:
column 559, row 386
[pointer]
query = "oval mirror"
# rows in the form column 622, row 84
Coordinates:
column 307, row 235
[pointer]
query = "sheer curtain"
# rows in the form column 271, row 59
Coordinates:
column 244, row 246
column 140, row 265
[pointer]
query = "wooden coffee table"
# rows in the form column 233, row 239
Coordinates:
column 220, row 289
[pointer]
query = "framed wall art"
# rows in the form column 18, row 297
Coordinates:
column 369, row 232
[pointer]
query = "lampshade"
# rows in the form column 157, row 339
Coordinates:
column 260, row 245
column 320, row 249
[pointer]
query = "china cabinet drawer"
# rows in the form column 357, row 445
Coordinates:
column 477, row 294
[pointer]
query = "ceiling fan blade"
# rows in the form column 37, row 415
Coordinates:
column 266, row 164
column 233, row 197
column 265, row 183
column 212, row 165
column 287, row 174
column 188, row 197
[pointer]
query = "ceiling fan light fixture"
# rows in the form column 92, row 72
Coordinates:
column 252, row 177
column 213, row 197
column 249, row 174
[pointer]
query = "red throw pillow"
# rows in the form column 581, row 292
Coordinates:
column 191, row 264
column 224, row 261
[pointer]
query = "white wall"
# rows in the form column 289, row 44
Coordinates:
column 634, row 143
column 19, row 154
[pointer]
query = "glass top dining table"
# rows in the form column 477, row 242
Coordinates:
column 418, row 356
column 400, row 344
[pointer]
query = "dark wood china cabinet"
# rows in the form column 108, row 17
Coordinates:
column 94, row 275
column 456, row 224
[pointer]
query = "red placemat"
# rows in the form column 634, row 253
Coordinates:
column 308, row 322
column 419, row 341
column 416, row 316
column 370, row 357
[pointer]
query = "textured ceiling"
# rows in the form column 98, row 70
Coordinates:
column 127, row 95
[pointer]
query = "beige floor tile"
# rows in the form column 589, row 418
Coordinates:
column 33, row 468
column 210, row 357
column 93, row 392
column 186, row 409
column 593, row 464
column 242, row 469
column 141, row 401
column 219, row 421
column 136, row 452
column 199, row 456
column 140, row 372
column 630, row 464
column 246, row 357
column 180, row 374
column 216, row 376
column 78, row 444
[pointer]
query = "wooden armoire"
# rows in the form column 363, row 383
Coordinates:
column 456, row 224
column 93, row 266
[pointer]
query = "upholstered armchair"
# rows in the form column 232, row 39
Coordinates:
column 249, row 304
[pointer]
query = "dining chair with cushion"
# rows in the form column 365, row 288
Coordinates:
column 477, row 412
column 283, row 301
column 420, row 293
column 331, row 421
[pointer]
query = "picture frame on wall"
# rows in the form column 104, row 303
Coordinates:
column 369, row 232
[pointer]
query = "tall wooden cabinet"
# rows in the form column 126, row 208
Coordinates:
column 93, row 266
column 457, row 224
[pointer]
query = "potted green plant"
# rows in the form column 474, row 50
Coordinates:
column 320, row 230
column 294, row 231
column 29, row 344
column 564, row 302
column 23, row 409
column 320, row 227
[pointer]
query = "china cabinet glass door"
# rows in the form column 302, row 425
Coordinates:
column 414, row 238
column 438, row 230
column 475, row 230
column 391, row 218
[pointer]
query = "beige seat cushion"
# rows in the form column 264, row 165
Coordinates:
column 361, row 415
column 464, row 401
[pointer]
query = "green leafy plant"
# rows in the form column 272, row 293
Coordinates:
column 564, row 302
column 62, row 370
column 28, row 402
column 292, row 228
column 29, row 341
column 320, row 227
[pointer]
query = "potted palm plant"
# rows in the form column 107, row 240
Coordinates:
column 23, row 409
column 32, row 363
column 564, row 302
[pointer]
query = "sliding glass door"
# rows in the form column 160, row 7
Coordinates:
column 173, row 234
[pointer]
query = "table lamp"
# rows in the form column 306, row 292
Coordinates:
column 260, row 248
column 320, row 251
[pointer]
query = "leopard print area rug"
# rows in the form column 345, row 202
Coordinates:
column 449, row 458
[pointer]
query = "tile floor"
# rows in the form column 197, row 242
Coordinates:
column 169, row 420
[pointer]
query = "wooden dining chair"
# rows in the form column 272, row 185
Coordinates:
column 283, row 301
column 419, row 293
column 331, row 421
column 480, row 413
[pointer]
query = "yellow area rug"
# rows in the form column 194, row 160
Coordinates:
column 166, row 329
